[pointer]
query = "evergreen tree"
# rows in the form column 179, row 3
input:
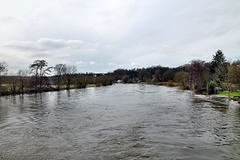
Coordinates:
column 219, row 68
column 218, row 60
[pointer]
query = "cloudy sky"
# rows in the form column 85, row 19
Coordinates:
column 103, row 35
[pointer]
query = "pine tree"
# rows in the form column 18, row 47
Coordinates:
column 218, row 60
column 219, row 68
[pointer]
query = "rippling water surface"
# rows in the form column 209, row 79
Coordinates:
column 118, row 122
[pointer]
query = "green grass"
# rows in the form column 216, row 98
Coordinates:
column 231, row 93
column 91, row 85
column 73, row 86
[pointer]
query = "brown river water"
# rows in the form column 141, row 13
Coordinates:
column 131, row 121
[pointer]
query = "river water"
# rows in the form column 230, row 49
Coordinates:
column 131, row 121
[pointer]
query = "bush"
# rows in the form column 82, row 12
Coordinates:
column 181, row 87
column 211, row 87
column 169, row 83
column 104, row 81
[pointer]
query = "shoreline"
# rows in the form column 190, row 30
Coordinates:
column 52, row 89
column 196, row 94
column 49, row 89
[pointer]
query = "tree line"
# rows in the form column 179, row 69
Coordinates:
column 198, row 75
column 40, row 77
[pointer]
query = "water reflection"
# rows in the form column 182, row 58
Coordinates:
column 118, row 122
column 3, row 110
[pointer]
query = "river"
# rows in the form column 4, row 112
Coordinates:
column 131, row 121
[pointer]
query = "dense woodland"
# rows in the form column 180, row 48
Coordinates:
column 198, row 75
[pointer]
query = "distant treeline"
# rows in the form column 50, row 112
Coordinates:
column 37, row 79
column 200, row 76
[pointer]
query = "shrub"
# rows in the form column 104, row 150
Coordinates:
column 169, row 83
column 181, row 87
column 211, row 87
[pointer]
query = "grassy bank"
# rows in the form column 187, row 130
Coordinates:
column 234, row 95
column 6, row 90
column 91, row 85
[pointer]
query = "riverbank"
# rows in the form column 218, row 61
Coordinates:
column 52, row 88
column 235, row 96
column 169, row 83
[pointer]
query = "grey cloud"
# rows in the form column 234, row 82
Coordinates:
column 24, row 46
column 51, row 43
column 164, row 50
column 47, row 44
column 39, row 55
column 6, row 19
column 116, row 66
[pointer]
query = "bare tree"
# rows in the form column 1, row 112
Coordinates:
column 234, row 73
column 126, row 78
column 157, row 76
column 39, row 69
column 12, row 83
column 81, row 81
column 181, row 77
column 144, row 75
column 60, row 69
column 3, row 67
column 22, row 75
column 3, row 71
column 68, row 75
column 196, row 74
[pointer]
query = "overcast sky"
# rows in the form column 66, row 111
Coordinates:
column 103, row 35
